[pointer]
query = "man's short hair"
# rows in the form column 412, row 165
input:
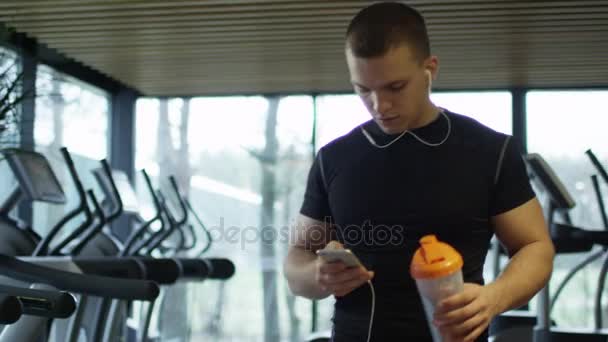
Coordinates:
column 385, row 25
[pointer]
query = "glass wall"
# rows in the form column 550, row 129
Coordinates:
column 10, row 97
column 562, row 125
column 493, row 109
column 339, row 114
column 236, row 155
column 71, row 114
column 8, row 129
column 244, row 162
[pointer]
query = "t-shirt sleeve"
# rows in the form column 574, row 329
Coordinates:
column 511, row 184
column 316, row 203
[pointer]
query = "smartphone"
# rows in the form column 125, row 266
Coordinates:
column 344, row 255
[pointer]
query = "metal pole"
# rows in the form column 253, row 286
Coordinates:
column 313, row 143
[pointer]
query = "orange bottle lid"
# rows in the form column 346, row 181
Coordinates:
column 434, row 259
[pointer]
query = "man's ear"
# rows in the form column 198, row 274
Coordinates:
column 429, row 79
column 431, row 66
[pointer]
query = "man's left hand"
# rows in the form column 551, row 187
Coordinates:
column 464, row 316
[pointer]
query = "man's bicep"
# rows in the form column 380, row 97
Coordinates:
column 521, row 226
column 310, row 234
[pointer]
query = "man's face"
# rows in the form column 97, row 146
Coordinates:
column 393, row 87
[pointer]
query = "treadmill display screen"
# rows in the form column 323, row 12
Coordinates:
column 37, row 179
column 543, row 175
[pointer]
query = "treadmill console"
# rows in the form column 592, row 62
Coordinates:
column 542, row 175
column 36, row 178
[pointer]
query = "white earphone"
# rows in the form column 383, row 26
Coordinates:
column 429, row 78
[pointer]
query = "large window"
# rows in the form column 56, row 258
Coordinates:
column 10, row 97
column 8, row 129
column 493, row 109
column 71, row 114
column 562, row 125
column 339, row 114
column 244, row 162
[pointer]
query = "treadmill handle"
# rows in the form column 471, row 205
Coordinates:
column 85, row 284
column 162, row 271
column 10, row 309
column 44, row 303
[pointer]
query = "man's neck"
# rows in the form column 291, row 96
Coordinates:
column 430, row 114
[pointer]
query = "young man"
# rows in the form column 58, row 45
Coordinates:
column 413, row 169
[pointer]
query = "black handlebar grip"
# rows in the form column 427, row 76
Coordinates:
column 194, row 268
column 569, row 239
column 10, row 309
column 221, row 268
column 162, row 271
column 91, row 285
column 111, row 267
column 44, row 303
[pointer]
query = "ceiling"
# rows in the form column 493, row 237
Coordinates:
column 172, row 48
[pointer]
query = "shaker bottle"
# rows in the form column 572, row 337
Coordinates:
column 437, row 269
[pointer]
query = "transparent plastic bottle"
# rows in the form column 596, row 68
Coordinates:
column 437, row 269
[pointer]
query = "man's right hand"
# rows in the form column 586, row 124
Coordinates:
column 337, row 278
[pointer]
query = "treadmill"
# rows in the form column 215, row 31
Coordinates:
column 116, row 186
column 36, row 181
column 97, row 240
column 567, row 238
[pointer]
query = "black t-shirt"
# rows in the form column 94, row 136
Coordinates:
column 381, row 201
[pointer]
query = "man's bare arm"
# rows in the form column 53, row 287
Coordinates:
column 311, row 277
column 300, row 267
column 524, row 234
column 464, row 316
